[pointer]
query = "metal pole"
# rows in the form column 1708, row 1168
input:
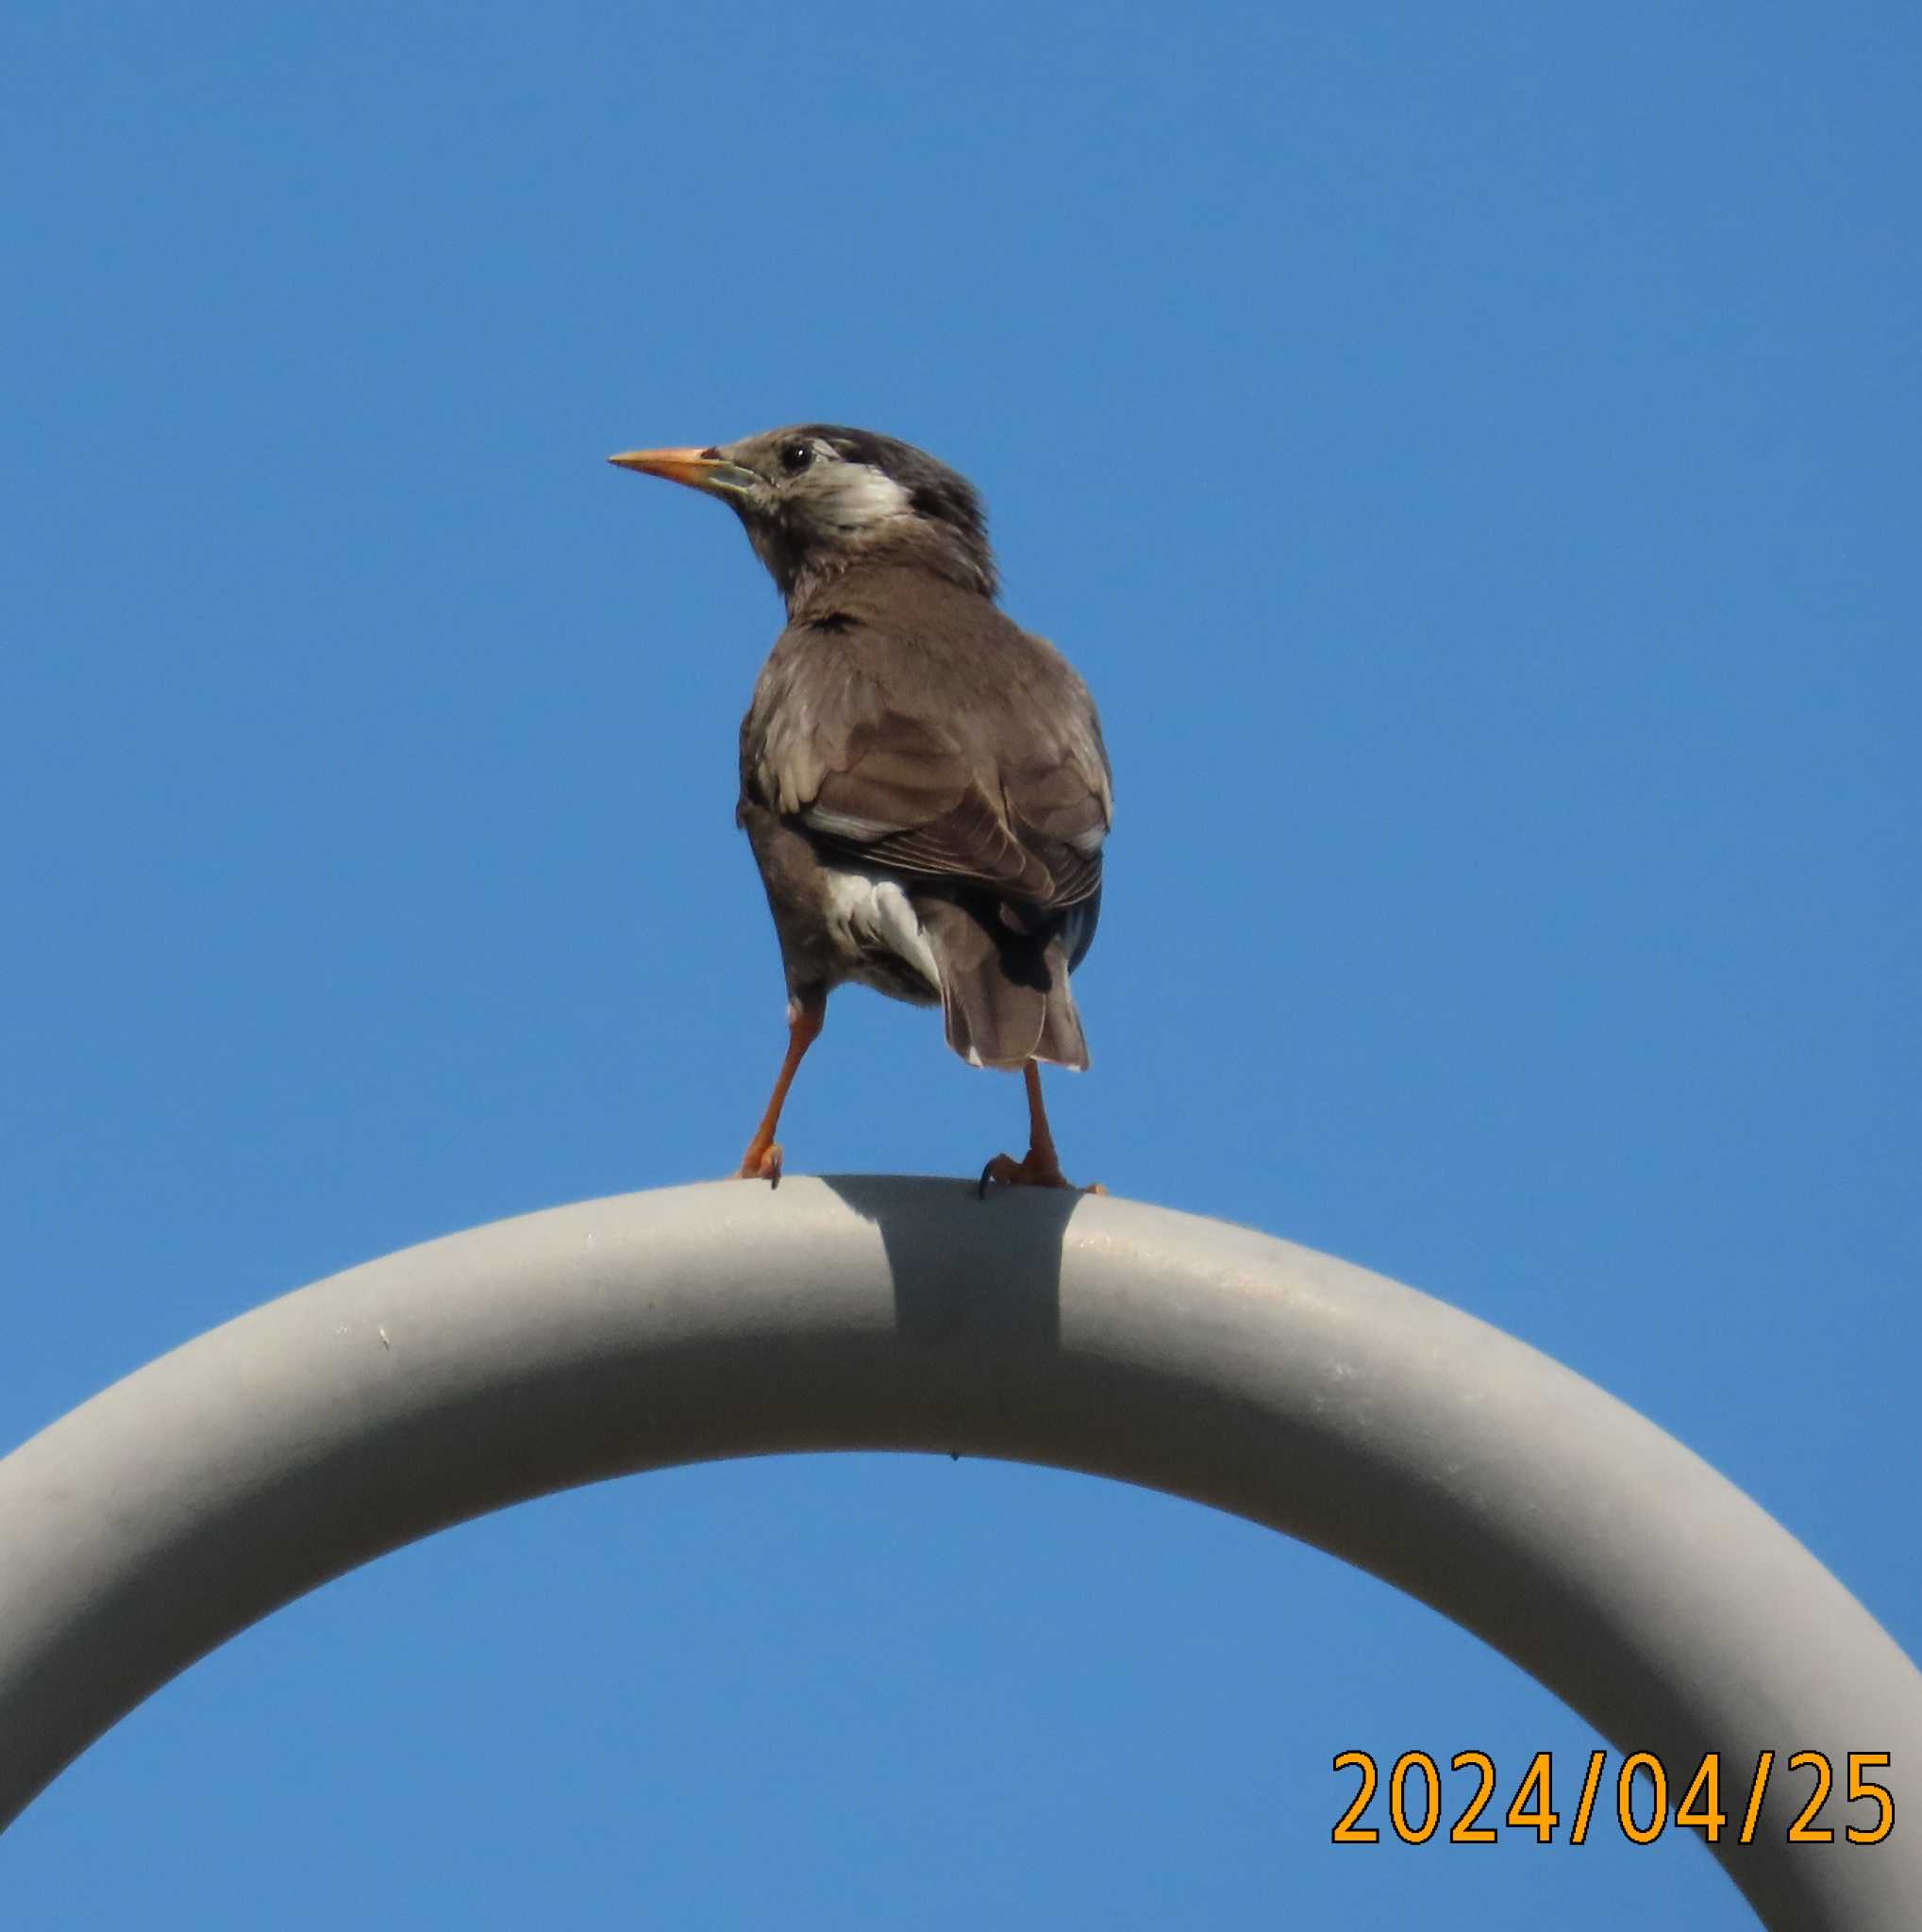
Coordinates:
column 726, row 1320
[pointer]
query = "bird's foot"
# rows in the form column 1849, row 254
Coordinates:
column 762, row 1164
column 1033, row 1170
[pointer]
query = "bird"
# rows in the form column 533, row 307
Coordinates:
column 924, row 784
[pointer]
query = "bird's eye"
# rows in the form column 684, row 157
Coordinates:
column 797, row 457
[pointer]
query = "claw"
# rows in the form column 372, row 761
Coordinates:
column 998, row 1169
column 1036, row 1171
column 762, row 1164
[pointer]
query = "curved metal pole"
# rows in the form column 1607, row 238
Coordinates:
column 724, row 1320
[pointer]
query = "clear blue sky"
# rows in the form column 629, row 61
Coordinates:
column 1473, row 455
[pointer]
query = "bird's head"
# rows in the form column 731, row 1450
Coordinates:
column 817, row 498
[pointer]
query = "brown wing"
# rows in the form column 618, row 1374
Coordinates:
column 917, row 727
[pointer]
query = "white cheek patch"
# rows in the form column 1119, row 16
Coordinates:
column 858, row 497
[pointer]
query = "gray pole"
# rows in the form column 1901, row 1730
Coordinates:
column 726, row 1320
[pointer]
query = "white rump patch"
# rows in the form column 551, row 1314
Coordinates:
column 866, row 910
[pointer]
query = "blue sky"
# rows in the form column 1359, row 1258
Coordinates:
column 1473, row 455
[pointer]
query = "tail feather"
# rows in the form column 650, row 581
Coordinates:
column 1004, row 992
column 1061, row 1039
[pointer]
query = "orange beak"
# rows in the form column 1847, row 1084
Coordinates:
column 699, row 469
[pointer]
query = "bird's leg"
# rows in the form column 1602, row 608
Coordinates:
column 1040, row 1141
column 1042, row 1167
column 807, row 1014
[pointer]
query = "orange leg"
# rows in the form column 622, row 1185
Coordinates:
column 1042, row 1168
column 807, row 1014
